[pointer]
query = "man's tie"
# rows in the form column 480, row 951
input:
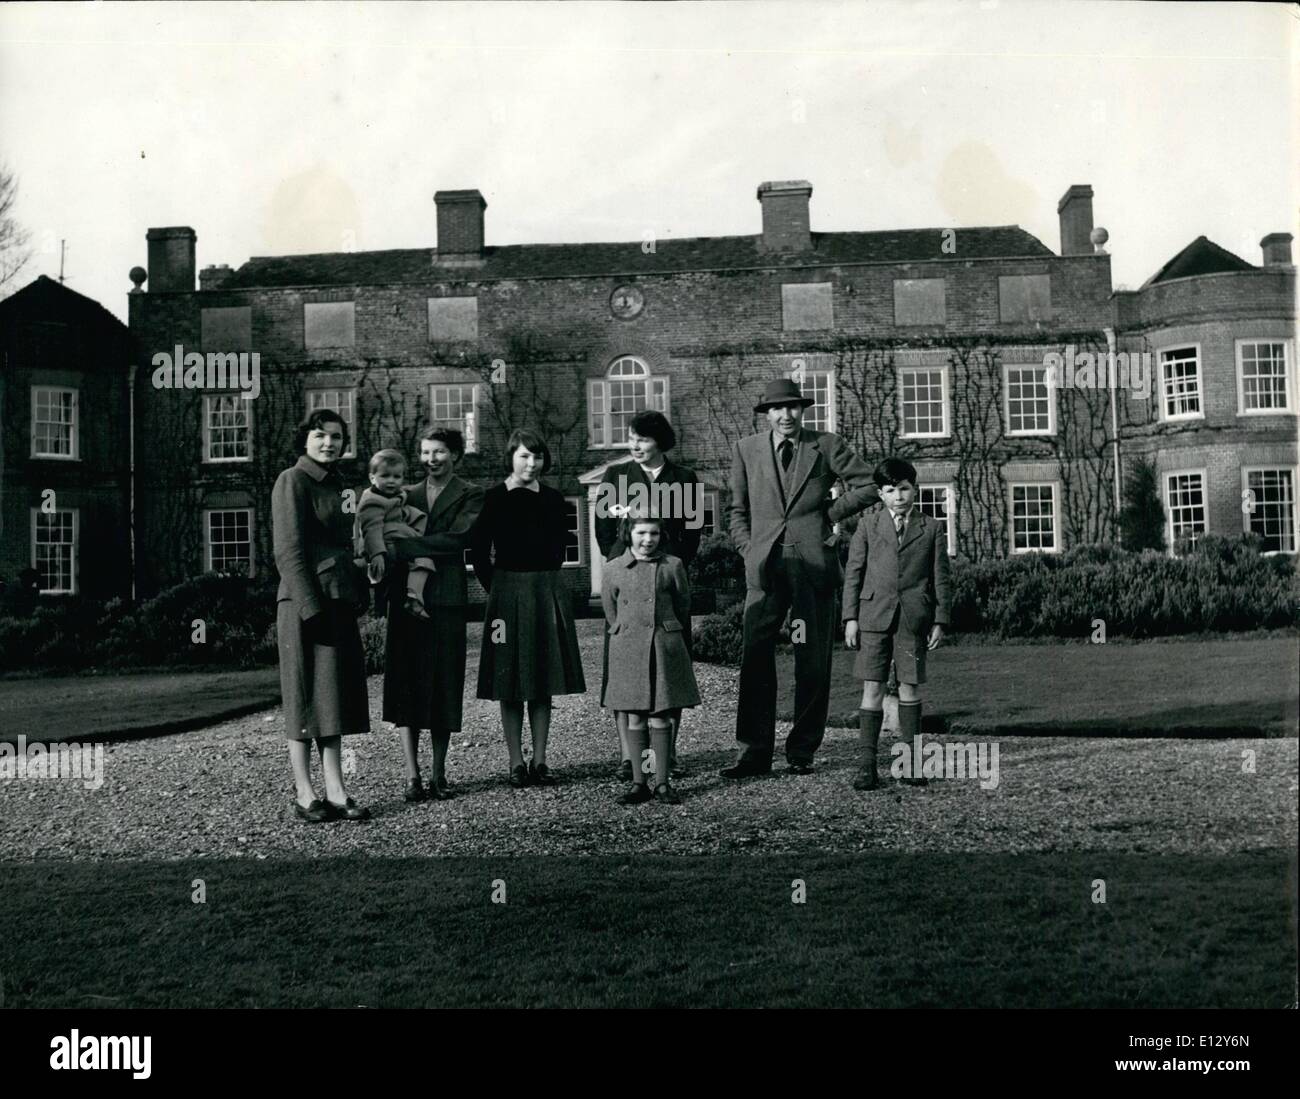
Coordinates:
column 787, row 454
column 899, row 523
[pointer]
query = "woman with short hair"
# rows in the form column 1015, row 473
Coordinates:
column 322, row 664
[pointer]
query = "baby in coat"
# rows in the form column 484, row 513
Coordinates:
column 383, row 516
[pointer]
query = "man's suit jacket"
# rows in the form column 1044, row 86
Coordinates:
column 446, row 536
column 762, row 514
column 883, row 576
column 679, row 540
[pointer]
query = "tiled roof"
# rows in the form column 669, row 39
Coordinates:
column 1201, row 257
column 46, row 300
column 522, row 261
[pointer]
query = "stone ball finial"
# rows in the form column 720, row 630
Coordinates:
column 1099, row 237
column 138, row 275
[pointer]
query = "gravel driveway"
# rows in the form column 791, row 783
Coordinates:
column 224, row 792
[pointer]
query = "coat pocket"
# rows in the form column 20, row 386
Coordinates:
column 671, row 627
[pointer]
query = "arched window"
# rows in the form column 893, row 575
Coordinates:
column 627, row 388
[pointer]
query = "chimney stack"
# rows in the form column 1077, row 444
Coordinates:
column 1075, row 212
column 785, row 215
column 460, row 225
column 171, row 259
column 1277, row 250
column 215, row 277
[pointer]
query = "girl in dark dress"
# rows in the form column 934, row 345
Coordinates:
column 530, row 647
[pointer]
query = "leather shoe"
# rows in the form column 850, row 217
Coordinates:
column 746, row 768
column 866, row 780
column 439, row 790
column 639, row 794
column 540, row 775
column 796, row 767
column 665, row 793
column 625, row 771
column 315, row 813
column 414, row 791
column 519, row 777
column 349, row 810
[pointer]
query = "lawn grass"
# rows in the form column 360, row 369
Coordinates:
column 86, row 707
column 885, row 930
column 1222, row 687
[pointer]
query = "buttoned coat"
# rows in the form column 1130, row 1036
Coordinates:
column 679, row 538
column 648, row 620
column 763, row 514
column 883, row 576
column 447, row 534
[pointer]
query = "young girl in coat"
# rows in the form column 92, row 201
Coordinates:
column 647, row 600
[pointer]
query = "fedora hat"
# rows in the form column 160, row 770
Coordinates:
column 780, row 392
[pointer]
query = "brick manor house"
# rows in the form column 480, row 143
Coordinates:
column 930, row 343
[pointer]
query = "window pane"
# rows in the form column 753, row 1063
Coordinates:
column 1033, row 517
column 1185, row 495
column 54, row 422
column 229, row 420
column 1272, row 508
column 230, row 543
column 1180, row 372
column 573, row 544
column 1263, row 376
column 55, row 550
column 1028, row 400
column 923, row 402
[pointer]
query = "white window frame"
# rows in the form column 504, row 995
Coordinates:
column 580, row 505
column 252, row 537
column 1199, row 414
column 1204, row 475
column 949, row 510
column 75, row 434
column 1055, row 486
column 1006, row 401
column 1288, row 378
column 598, row 401
column 244, row 403
column 943, row 370
column 75, row 570
column 832, row 410
column 351, row 451
column 469, row 429
column 1246, row 471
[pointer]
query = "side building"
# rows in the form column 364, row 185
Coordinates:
column 64, row 443
column 930, row 343
column 1220, row 424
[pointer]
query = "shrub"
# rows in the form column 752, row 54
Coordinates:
column 718, row 564
column 718, row 638
column 1142, row 516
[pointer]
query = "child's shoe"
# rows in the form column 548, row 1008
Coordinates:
column 866, row 778
column 639, row 793
column 665, row 793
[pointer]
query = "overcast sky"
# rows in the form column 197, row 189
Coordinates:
column 282, row 128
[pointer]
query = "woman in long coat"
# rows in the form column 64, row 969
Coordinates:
column 322, row 665
column 424, row 660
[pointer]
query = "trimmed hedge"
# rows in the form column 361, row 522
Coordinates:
column 1225, row 585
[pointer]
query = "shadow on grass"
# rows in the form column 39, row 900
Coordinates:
column 884, row 930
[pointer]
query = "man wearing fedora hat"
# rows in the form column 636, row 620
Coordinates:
column 781, row 521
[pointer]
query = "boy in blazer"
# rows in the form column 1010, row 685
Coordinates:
column 781, row 521
column 896, row 605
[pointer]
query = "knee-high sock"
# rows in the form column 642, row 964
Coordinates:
column 909, row 725
column 637, row 741
column 661, row 739
column 869, row 722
